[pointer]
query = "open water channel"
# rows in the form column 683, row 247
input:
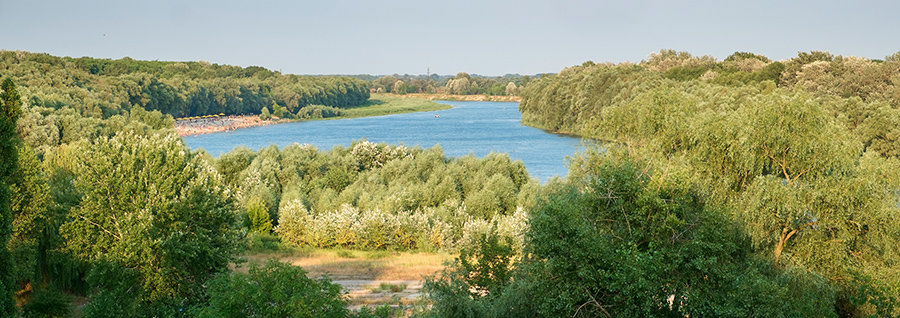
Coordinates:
column 477, row 128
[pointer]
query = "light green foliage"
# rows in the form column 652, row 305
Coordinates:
column 318, row 112
column 44, row 128
column 378, row 196
column 461, row 83
column 880, row 132
column 800, row 161
column 667, row 60
column 280, row 111
column 274, row 290
column 153, row 212
column 258, row 216
column 231, row 164
column 259, row 189
column 264, row 114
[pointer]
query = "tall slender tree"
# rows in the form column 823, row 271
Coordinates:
column 10, row 108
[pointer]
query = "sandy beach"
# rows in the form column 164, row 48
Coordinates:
column 199, row 126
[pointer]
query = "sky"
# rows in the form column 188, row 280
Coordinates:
column 445, row 37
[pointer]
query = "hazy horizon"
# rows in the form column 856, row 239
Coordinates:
column 489, row 38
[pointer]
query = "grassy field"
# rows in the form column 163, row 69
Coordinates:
column 352, row 264
column 383, row 104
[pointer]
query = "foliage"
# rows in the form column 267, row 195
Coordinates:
column 155, row 213
column 48, row 303
column 618, row 240
column 461, row 83
column 10, row 109
column 102, row 87
column 377, row 196
column 474, row 285
column 798, row 154
column 275, row 290
column 318, row 112
column 264, row 114
column 622, row 241
column 30, row 197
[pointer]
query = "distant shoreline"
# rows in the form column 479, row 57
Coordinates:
column 193, row 127
column 378, row 105
column 464, row 98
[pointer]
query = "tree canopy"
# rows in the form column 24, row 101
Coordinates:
column 788, row 150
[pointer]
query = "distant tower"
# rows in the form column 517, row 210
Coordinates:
column 427, row 71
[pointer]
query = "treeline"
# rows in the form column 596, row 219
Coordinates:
column 789, row 168
column 103, row 87
column 461, row 84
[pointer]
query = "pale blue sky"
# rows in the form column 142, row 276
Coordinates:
column 484, row 37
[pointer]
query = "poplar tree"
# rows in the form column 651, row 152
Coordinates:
column 10, row 109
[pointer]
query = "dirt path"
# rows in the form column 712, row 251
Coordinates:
column 368, row 278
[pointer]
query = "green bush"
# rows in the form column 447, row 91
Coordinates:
column 274, row 290
column 318, row 112
column 475, row 285
column 47, row 303
column 257, row 242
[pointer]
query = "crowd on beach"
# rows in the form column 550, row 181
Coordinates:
column 192, row 126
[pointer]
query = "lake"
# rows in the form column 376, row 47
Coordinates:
column 477, row 128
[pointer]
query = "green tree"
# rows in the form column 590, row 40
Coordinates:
column 29, row 202
column 157, row 215
column 10, row 109
column 619, row 240
column 274, row 290
column 264, row 114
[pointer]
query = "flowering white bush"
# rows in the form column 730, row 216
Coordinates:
column 376, row 229
column 371, row 155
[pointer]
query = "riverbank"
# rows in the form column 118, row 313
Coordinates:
column 461, row 98
column 389, row 104
column 378, row 105
column 193, row 127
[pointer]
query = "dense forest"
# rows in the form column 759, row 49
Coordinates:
column 743, row 187
column 103, row 87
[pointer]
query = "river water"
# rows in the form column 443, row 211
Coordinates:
column 477, row 128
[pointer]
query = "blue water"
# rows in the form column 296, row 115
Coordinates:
column 468, row 128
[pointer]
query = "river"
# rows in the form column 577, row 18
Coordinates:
column 468, row 128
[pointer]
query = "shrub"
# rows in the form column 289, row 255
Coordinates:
column 274, row 290
column 47, row 303
column 318, row 112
